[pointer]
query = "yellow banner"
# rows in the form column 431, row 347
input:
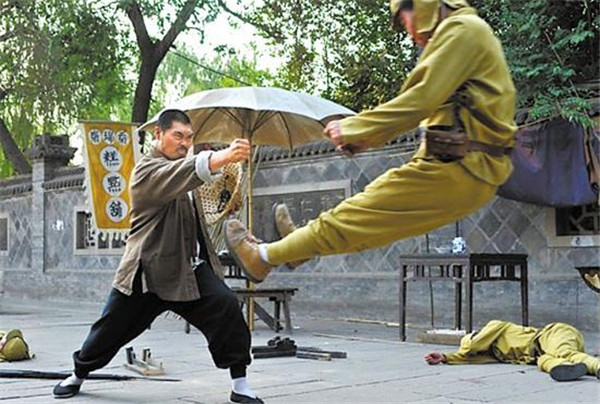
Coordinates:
column 111, row 150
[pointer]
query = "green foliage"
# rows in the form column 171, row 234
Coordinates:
column 60, row 60
column 182, row 73
column 164, row 13
column 66, row 60
column 6, row 169
column 63, row 60
column 344, row 50
column 549, row 46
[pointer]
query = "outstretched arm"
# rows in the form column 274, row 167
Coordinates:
column 161, row 180
column 434, row 358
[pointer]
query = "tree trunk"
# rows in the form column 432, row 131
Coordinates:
column 12, row 151
column 143, row 90
column 152, row 53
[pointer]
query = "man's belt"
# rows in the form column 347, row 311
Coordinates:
column 452, row 145
column 492, row 150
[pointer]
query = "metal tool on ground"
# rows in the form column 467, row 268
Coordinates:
column 333, row 354
column 319, row 356
column 278, row 347
column 275, row 348
column 37, row 374
column 147, row 366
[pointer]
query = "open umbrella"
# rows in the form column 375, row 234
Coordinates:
column 264, row 116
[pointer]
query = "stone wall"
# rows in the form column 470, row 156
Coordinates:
column 361, row 285
column 63, row 275
column 15, row 204
column 41, row 262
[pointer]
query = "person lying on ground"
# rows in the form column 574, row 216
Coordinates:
column 557, row 349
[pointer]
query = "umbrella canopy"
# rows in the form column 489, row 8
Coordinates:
column 267, row 116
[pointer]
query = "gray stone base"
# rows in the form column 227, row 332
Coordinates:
column 67, row 286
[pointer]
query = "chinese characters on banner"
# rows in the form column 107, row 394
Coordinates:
column 110, row 152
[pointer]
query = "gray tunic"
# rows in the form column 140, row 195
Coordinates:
column 163, row 235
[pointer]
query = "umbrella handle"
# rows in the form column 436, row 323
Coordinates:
column 249, row 182
column 250, row 285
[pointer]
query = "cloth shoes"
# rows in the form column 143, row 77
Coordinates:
column 568, row 372
column 65, row 391
column 284, row 224
column 240, row 398
column 244, row 251
column 72, row 389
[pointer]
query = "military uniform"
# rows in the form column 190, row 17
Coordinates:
column 425, row 193
column 501, row 341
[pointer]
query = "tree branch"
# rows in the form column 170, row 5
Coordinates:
column 12, row 151
column 3, row 93
column 141, row 33
column 178, row 25
column 267, row 30
column 7, row 36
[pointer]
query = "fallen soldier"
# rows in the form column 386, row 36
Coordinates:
column 556, row 349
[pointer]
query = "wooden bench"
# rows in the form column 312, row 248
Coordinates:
column 280, row 297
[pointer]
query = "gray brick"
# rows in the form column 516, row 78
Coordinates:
column 489, row 224
column 518, row 222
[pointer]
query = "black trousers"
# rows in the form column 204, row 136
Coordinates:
column 217, row 314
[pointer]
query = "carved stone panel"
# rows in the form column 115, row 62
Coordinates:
column 305, row 202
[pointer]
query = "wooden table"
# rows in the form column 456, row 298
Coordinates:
column 462, row 269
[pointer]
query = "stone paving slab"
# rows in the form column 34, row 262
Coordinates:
column 379, row 368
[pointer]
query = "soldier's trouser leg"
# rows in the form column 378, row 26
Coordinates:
column 403, row 202
column 123, row 318
column 217, row 314
column 563, row 344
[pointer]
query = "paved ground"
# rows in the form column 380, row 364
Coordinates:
column 379, row 369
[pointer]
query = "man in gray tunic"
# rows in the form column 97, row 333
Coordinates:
column 167, row 265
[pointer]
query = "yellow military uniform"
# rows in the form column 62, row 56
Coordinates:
column 425, row 193
column 561, row 343
column 13, row 346
column 501, row 341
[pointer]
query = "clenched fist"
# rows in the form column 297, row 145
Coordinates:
column 238, row 150
column 334, row 132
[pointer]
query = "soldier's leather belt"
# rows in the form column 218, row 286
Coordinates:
column 452, row 145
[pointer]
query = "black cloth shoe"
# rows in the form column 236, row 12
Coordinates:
column 568, row 372
column 65, row 391
column 240, row 398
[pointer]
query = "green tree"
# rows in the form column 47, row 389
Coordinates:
column 59, row 60
column 551, row 47
column 182, row 74
column 343, row 50
column 178, row 15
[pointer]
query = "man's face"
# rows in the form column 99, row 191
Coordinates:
column 407, row 19
column 176, row 141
